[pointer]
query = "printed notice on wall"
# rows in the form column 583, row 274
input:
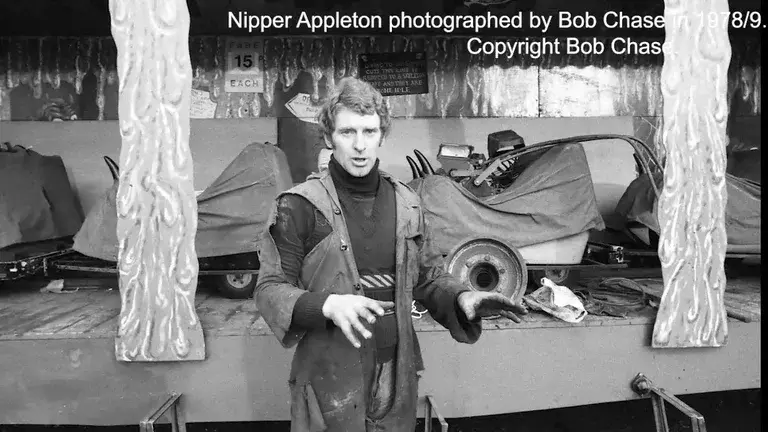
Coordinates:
column 201, row 106
column 302, row 107
column 393, row 74
column 244, row 70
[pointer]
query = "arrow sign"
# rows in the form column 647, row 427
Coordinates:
column 301, row 106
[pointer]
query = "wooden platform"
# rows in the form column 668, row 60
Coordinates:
column 58, row 365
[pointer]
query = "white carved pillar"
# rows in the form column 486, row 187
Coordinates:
column 691, row 210
column 156, row 206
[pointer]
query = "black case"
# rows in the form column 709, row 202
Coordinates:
column 506, row 140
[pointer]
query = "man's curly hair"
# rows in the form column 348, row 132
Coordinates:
column 358, row 96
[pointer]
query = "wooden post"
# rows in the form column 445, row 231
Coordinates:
column 156, row 206
column 691, row 210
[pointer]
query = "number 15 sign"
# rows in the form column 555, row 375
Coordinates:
column 245, row 71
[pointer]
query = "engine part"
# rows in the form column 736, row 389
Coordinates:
column 481, row 191
column 487, row 172
column 455, row 157
column 503, row 141
column 605, row 253
column 486, row 264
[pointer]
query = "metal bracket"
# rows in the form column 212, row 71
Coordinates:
column 644, row 387
column 169, row 405
column 487, row 172
column 605, row 253
column 430, row 408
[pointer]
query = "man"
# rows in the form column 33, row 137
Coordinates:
column 343, row 258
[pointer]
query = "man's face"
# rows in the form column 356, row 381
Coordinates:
column 355, row 141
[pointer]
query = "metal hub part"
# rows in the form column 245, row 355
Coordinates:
column 489, row 265
column 240, row 280
column 557, row 276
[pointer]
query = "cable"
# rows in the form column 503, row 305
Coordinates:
column 415, row 312
column 615, row 293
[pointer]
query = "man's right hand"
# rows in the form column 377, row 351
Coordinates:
column 346, row 310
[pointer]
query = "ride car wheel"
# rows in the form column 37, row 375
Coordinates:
column 236, row 285
column 559, row 276
column 489, row 265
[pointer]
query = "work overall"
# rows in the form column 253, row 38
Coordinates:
column 327, row 386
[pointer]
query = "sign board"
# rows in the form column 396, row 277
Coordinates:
column 244, row 71
column 393, row 74
column 201, row 106
column 302, row 107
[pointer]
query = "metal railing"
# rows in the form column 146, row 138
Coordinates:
column 430, row 408
column 644, row 387
column 170, row 405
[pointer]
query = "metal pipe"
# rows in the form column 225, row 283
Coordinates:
column 642, row 150
column 113, row 167
column 425, row 165
column 415, row 171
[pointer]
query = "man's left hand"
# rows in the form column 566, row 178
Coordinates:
column 479, row 304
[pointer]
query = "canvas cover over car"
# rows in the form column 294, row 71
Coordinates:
column 553, row 197
column 742, row 210
column 232, row 211
column 36, row 199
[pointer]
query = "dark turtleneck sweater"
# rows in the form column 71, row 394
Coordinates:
column 369, row 208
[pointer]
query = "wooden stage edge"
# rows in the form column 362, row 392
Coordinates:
column 59, row 367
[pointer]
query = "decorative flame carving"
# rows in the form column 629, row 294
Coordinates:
column 461, row 85
column 157, row 211
column 691, row 208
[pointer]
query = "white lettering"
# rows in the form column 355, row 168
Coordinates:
column 622, row 46
column 527, row 47
column 613, row 20
column 567, row 20
column 326, row 23
column 584, row 47
column 258, row 23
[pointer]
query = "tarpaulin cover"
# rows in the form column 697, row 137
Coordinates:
column 232, row 211
column 36, row 199
column 742, row 210
column 552, row 198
